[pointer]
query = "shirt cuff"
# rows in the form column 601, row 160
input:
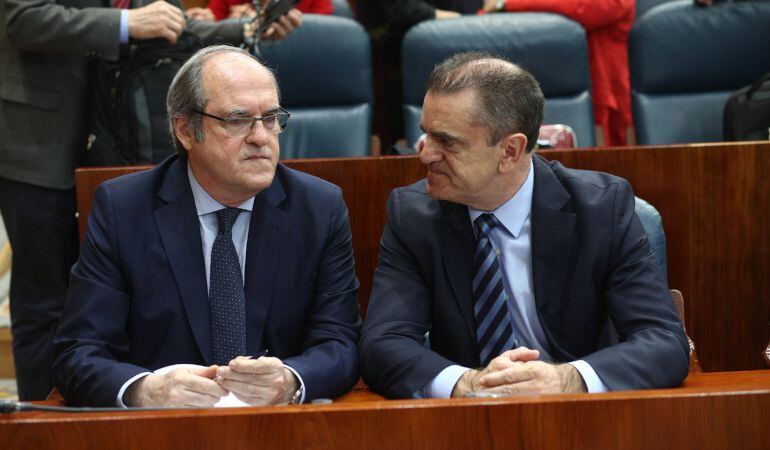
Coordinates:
column 443, row 384
column 125, row 386
column 123, row 26
column 301, row 384
column 594, row 384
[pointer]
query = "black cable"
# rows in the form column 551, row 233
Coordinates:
column 7, row 407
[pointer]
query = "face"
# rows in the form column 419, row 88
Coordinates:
column 462, row 168
column 230, row 168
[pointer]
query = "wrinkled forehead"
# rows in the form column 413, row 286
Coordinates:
column 228, row 71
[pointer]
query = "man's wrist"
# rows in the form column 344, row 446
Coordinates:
column 294, row 388
column 465, row 384
column 571, row 380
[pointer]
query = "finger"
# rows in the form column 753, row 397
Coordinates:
column 204, row 386
column 510, row 375
column 197, row 399
column 524, row 388
column 295, row 17
column 286, row 24
column 263, row 365
column 279, row 32
column 205, row 372
column 521, row 354
column 225, row 373
column 266, row 387
column 268, row 33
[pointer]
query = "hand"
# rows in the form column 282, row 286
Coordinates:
column 283, row 26
column 200, row 14
column 491, row 6
column 262, row 381
column 242, row 10
column 534, row 377
column 180, row 387
column 469, row 382
column 444, row 14
column 156, row 20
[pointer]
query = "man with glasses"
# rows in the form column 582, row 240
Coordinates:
column 213, row 258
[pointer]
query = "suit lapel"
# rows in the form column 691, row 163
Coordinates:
column 179, row 229
column 554, row 243
column 458, row 245
column 267, row 233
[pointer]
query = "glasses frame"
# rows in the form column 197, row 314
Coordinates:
column 253, row 120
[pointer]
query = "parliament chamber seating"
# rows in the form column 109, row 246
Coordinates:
column 325, row 77
column 552, row 47
column 686, row 60
column 342, row 9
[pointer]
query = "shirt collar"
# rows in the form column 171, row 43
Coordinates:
column 515, row 211
column 204, row 203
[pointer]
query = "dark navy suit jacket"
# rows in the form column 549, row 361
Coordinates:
column 138, row 298
column 594, row 275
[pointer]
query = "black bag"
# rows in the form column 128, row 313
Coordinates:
column 747, row 112
column 129, row 123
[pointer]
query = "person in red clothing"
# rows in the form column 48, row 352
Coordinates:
column 224, row 9
column 607, row 23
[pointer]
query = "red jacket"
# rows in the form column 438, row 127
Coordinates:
column 221, row 8
column 607, row 23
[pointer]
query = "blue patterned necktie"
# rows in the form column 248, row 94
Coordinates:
column 227, row 300
column 494, row 331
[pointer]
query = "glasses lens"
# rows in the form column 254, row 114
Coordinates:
column 238, row 127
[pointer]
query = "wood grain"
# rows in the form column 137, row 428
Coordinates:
column 710, row 411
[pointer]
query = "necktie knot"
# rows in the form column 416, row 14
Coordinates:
column 484, row 224
column 227, row 218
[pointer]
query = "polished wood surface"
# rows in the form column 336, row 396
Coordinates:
column 710, row 411
column 715, row 204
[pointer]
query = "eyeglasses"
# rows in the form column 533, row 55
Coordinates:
column 274, row 122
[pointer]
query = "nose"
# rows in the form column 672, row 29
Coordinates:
column 258, row 134
column 429, row 151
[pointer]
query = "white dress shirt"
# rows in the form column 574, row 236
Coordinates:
column 512, row 241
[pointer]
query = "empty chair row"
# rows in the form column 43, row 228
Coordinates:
column 684, row 62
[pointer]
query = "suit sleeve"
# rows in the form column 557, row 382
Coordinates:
column 394, row 360
column 404, row 14
column 91, row 336
column 652, row 351
column 45, row 26
column 591, row 14
column 328, row 363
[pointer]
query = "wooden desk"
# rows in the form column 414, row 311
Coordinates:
column 715, row 203
column 710, row 411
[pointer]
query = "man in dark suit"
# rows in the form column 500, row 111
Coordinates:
column 520, row 269
column 165, row 277
column 47, row 49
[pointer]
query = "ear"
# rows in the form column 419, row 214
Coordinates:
column 514, row 147
column 183, row 132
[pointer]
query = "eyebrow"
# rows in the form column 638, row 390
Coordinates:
column 442, row 135
column 240, row 112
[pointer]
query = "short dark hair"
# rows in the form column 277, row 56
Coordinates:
column 510, row 98
column 186, row 92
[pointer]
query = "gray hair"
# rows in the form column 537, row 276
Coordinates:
column 510, row 98
column 186, row 92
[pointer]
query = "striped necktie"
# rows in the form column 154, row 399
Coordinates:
column 494, row 331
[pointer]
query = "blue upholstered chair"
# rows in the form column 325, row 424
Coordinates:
column 685, row 61
column 653, row 226
column 342, row 8
column 324, row 72
column 642, row 6
column 553, row 48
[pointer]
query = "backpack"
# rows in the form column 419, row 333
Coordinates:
column 129, row 124
column 747, row 112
